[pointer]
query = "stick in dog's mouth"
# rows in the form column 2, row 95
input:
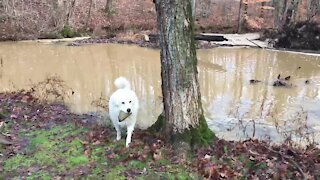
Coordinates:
column 123, row 116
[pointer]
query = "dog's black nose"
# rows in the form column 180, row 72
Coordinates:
column 128, row 110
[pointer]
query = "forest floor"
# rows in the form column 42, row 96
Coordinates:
column 42, row 140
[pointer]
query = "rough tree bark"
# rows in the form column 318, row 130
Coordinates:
column 243, row 13
column 313, row 9
column 70, row 11
column 108, row 7
column 183, row 124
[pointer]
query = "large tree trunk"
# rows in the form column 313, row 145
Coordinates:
column 184, row 123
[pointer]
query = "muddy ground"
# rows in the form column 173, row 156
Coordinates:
column 42, row 140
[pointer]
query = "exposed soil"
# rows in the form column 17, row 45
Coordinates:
column 45, row 140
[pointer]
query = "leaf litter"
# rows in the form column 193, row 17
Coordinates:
column 47, row 140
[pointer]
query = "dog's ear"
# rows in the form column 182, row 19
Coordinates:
column 278, row 76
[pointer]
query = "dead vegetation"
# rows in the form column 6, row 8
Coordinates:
column 55, row 19
column 44, row 134
column 53, row 88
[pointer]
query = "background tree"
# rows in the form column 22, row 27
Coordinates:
column 108, row 7
column 184, row 124
column 243, row 14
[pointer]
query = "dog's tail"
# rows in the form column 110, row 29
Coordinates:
column 122, row 83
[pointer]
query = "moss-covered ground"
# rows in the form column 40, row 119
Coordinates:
column 45, row 141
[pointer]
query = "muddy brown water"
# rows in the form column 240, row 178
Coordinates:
column 235, row 109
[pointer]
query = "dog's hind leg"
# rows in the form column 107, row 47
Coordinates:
column 129, row 135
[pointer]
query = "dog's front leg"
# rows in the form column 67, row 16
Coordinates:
column 129, row 135
column 118, row 132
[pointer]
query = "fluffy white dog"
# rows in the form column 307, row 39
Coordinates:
column 123, row 108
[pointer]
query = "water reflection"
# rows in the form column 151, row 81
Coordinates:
column 235, row 108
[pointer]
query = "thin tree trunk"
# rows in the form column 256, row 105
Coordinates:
column 283, row 12
column 181, row 93
column 108, row 7
column 89, row 14
column 70, row 11
column 314, row 9
column 262, row 10
column 294, row 10
column 243, row 12
column 193, row 7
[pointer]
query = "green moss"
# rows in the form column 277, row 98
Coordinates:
column 15, row 162
column 201, row 135
column 78, row 160
column 43, row 175
column 198, row 136
column 137, row 164
column 44, row 158
column 67, row 32
column 115, row 173
column 98, row 154
column 39, row 140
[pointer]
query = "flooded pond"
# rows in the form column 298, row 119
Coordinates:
column 235, row 109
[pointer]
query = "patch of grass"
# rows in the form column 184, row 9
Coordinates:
column 137, row 164
column 67, row 32
column 115, row 173
column 43, row 175
column 78, row 160
column 38, row 141
column 47, row 148
column 172, row 174
column 16, row 162
column 98, row 154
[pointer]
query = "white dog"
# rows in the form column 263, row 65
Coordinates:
column 123, row 108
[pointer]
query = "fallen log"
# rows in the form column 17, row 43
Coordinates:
column 202, row 37
column 198, row 37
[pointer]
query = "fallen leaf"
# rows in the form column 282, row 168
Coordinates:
column 83, row 142
column 157, row 155
column 207, row 156
column 87, row 152
column 96, row 142
column 13, row 116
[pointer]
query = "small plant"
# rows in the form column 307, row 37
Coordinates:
column 51, row 89
column 67, row 32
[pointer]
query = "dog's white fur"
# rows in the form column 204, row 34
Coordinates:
column 123, row 99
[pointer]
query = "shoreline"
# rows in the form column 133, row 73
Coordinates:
column 143, row 40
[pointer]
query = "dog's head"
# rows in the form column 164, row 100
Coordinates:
column 127, row 102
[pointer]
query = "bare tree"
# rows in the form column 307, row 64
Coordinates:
column 89, row 14
column 313, row 9
column 70, row 11
column 184, row 124
column 108, row 7
column 243, row 13
column 193, row 7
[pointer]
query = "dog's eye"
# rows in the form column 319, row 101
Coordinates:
column 122, row 102
column 129, row 101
